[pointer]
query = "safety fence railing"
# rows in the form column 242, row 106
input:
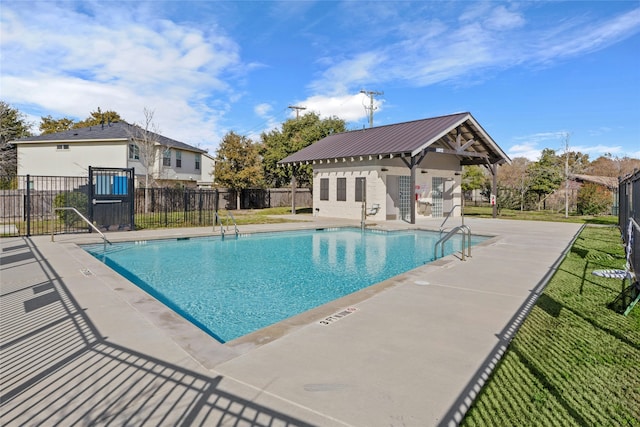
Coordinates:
column 629, row 203
column 27, row 204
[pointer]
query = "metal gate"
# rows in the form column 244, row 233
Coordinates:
column 111, row 198
column 437, row 185
column 406, row 197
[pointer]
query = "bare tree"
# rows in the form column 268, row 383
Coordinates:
column 516, row 177
column 146, row 141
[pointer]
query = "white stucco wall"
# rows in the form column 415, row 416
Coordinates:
column 381, row 176
column 375, row 193
column 48, row 160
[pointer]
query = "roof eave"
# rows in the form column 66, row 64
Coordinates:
column 66, row 141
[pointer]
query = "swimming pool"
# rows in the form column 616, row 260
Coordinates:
column 231, row 287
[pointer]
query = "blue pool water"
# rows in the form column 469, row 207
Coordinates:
column 232, row 287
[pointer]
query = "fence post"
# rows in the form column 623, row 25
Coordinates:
column 164, row 199
column 199, row 192
column 27, row 206
column 131, row 191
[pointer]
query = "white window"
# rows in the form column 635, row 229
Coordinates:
column 62, row 147
column 134, row 152
column 178, row 159
column 197, row 162
column 166, row 157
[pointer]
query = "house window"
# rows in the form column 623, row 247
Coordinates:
column 134, row 152
column 361, row 185
column 197, row 162
column 62, row 147
column 178, row 159
column 324, row 188
column 342, row 190
column 166, row 157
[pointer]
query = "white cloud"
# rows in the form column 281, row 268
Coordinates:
column 581, row 36
column 596, row 150
column 485, row 37
column 349, row 73
column 502, row 19
column 526, row 150
column 349, row 107
column 263, row 110
column 118, row 58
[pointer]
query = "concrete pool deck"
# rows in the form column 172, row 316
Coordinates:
column 80, row 344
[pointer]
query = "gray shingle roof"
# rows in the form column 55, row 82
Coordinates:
column 113, row 131
column 408, row 138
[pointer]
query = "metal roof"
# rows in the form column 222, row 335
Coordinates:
column 458, row 134
column 108, row 132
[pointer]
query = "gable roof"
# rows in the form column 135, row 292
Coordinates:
column 458, row 134
column 607, row 181
column 117, row 131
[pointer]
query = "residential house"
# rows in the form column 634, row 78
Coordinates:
column 116, row 145
column 398, row 171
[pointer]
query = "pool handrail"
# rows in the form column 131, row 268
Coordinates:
column 218, row 220
column 449, row 215
column 68, row 208
column 466, row 231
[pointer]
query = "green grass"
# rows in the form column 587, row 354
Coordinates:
column 573, row 361
column 242, row 217
column 487, row 212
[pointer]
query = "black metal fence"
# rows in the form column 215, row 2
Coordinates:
column 629, row 202
column 28, row 209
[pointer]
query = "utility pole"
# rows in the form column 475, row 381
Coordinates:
column 295, row 107
column 371, row 108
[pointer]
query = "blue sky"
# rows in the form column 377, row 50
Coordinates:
column 529, row 72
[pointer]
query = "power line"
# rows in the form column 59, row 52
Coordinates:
column 371, row 108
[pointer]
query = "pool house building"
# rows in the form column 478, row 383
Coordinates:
column 399, row 171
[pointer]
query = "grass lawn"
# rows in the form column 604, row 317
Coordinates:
column 573, row 361
column 487, row 212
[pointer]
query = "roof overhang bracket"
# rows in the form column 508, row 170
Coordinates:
column 458, row 153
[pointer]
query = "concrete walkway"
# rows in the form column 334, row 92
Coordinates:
column 81, row 345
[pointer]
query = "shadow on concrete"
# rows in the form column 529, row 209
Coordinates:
column 457, row 411
column 56, row 368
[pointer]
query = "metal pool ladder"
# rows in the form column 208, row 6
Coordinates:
column 466, row 233
column 228, row 217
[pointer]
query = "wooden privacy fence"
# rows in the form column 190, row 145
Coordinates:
column 27, row 209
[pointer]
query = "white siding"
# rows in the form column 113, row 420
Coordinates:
column 48, row 160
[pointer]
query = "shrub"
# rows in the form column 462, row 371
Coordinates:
column 593, row 199
column 74, row 199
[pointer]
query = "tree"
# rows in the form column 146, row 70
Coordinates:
column 146, row 146
column 13, row 125
column 608, row 165
column 546, row 174
column 238, row 164
column 50, row 125
column 593, row 199
column 294, row 135
column 98, row 118
column 578, row 162
column 473, row 178
column 514, row 178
